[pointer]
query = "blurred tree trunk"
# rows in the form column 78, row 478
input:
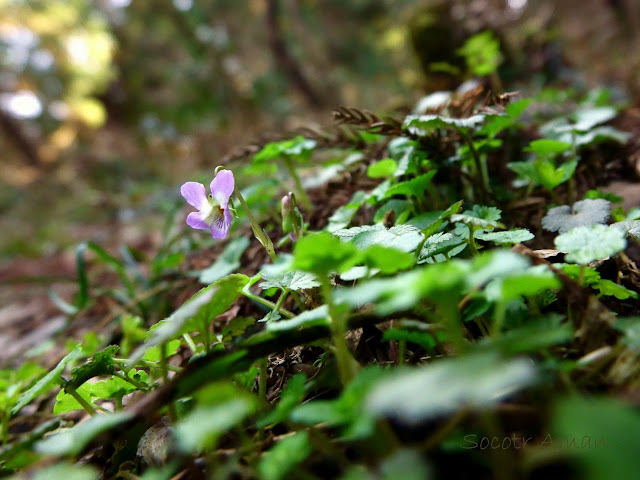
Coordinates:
column 291, row 69
column 16, row 135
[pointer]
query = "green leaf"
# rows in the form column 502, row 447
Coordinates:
column 586, row 212
column 517, row 108
column 236, row 327
column 110, row 388
column 299, row 148
column 226, row 263
column 203, row 307
column 405, row 464
column 73, row 440
column 536, row 335
column 291, row 396
column 403, row 151
column 630, row 326
column 66, row 471
column 421, row 125
column 83, row 279
column 595, row 193
column 280, row 275
column 439, row 244
column 498, row 123
column 415, row 187
column 382, row 169
column 401, row 208
column 433, row 227
column 544, row 172
column 279, row 461
column 600, row 434
column 426, row 219
column 482, row 53
column 321, row 253
column 437, row 282
column 607, row 287
column 310, row 318
column 344, row 409
column 600, row 135
column 480, row 216
column 414, row 395
column 528, row 283
column 517, row 235
column 586, row 244
column 589, row 275
column 401, row 237
column 546, row 147
column 629, row 227
column 204, row 425
column 422, row 338
column 342, row 217
column 586, row 119
column 47, row 382
column 118, row 265
column 388, row 260
column 101, row 364
column 154, row 354
column 493, row 265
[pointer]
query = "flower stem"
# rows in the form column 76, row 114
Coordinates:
column 304, row 198
column 260, row 234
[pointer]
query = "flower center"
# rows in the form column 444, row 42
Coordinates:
column 214, row 214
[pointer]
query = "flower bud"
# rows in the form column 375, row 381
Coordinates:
column 291, row 217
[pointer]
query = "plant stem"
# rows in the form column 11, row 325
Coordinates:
column 338, row 334
column 206, row 334
column 451, row 316
column 173, row 414
column 472, row 241
column 581, row 275
column 296, row 298
column 302, row 194
column 163, row 362
column 272, row 306
column 135, row 383
column 498, row 318
column 402, row 352
column 190, row 343
column 83, row 403
column 4, row 428
column 480, row 168
column 262, row 237
column 281, row 299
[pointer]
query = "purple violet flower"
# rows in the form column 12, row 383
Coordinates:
column 213, row 213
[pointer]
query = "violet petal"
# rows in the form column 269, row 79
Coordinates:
column 221, row 225
column 222, row 187
column 195, row 194
column 196, row 220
